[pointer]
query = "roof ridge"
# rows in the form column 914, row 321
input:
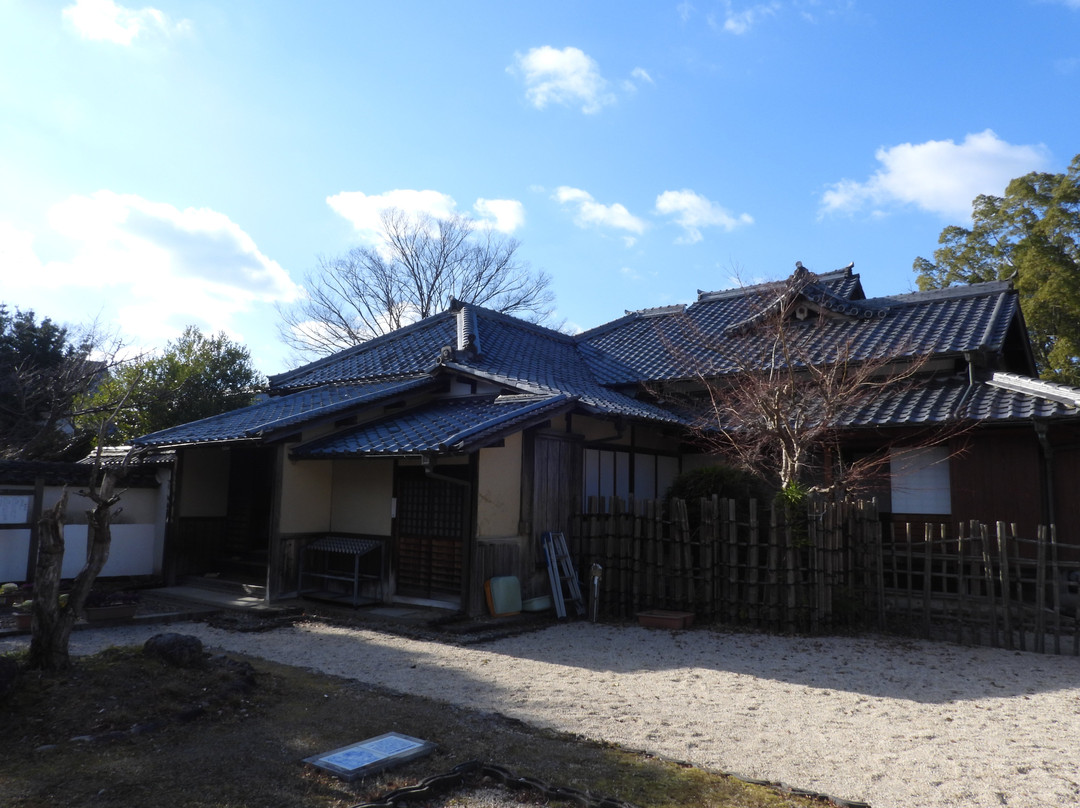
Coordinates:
column 391, row 336
column 603, row 328
column 982, row 289
column 739, row 291
column 509, row 319
column 659, row 311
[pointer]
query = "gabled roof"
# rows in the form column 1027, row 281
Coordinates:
column 451, row 425
column 516, row 354
column 708, row 337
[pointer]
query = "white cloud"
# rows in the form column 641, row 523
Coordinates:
column 17, row 254
column 637, row 75
column 939, row 176
column 590, row 213
column 364, row 211
column 692, row 212
column 504, row 215
column 740, row 22
column 566, row 76
column 157, row 266
column 107, row 21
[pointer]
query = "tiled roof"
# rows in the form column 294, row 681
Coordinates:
column 411, row 350
column 446, row 425
column 706, row 339
column 954, row 399
column 514, row 353
column 282, row 412
column 117, row 456
column 603, row 369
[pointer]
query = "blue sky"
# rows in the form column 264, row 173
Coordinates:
column 187, row 162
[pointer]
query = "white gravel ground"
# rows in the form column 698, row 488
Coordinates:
column 898, row 724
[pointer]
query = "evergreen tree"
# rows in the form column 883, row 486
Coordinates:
column 1032, row 234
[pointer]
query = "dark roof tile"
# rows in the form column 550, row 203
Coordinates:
column 454, row 425
column 282, row 412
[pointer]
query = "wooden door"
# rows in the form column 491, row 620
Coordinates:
column 432, row 526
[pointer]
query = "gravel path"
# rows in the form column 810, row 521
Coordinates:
column 895, row 723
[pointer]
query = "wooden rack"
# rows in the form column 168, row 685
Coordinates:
column 318, row 573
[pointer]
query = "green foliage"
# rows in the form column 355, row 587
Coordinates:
column 196, row 377
column 41, row 373
column 724, row 481
column 794, row 494
column 1032, row 232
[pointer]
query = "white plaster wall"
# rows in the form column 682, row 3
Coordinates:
column 498, row 509
column 362, row 492
column 306, row 491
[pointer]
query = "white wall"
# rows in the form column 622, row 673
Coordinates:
column 362, row 490
column 138, row 533
column 498, row 494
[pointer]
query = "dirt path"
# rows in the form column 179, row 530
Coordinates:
column 895, row 723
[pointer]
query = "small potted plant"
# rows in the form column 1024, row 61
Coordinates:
column 101, row 605
column 24, row 617
column 9, row 594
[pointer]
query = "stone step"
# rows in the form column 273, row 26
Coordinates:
column 229, row 585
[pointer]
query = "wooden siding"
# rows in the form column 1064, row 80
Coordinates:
column 556, row 483
column 997, row 477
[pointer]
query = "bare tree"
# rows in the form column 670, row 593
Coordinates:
column 54, row 619
column 771, row 397
column 420, row 265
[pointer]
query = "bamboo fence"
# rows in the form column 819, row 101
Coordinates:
column 831, row 567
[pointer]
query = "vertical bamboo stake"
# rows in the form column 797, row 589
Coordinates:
column 988, row 575
column 880, row 559
column 928, row 537
column 789, row 543
column 816, row 601
column 772, row 571
column 1040, row 591
column 961, row 583
column 910, row 573
column 1006, row 595
column 753, row 560
column 1055, row 575
column 1016, row 586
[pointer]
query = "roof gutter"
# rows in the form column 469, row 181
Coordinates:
column 970, row 386
column 1047, row 452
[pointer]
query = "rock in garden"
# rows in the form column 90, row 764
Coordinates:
column 181, row 650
